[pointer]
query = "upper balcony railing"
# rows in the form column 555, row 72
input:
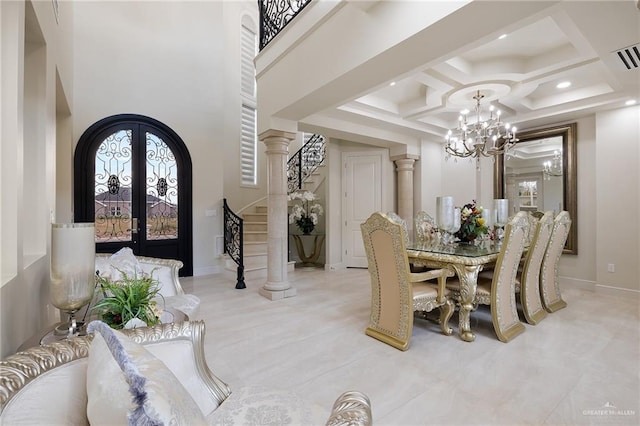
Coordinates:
column 275, row 15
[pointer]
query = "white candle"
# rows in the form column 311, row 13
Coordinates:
column 444, row 212
column 488, row 220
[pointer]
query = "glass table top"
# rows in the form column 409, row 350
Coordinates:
column 483, row 248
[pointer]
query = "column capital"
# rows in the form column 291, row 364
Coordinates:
column 404, row 164
column 405, row 157
column 273, row 133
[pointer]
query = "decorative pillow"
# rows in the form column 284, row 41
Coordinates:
column 124, row 261
column 127, row 384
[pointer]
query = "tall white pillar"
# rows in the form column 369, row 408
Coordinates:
column 277, row 285
column 404, row 191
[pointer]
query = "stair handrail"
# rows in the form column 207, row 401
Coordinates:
column 275, row 15
column 304, row 162
column 233, row 244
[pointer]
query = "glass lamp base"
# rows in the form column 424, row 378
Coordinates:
column 70, row 328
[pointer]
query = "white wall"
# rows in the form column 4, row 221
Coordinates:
column 166, row 61
column 617, row 181
column 36, row 73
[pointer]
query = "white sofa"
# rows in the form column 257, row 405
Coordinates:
column 163, row 270
column 49, row 384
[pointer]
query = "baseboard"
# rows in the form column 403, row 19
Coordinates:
column 617, row 291
column 577, row 283
column 599, row 288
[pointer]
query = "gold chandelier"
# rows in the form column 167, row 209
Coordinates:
column 483, row 137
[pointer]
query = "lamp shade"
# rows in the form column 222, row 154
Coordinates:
column 73, row 254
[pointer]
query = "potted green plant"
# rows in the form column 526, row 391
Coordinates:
column 127, row 300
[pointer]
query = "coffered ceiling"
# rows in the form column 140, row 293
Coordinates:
column 592, row 45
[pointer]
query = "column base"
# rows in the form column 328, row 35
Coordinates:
column 278, row 294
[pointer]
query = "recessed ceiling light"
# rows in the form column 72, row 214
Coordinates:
column 630, row 102
column 502, row 36
column 393, row 83
column 563, row 85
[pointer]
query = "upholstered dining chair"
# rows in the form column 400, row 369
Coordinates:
column 425, row 227
column 549, row 286
column 530, row 298
column 396, row 218
column 395, row 291
column 499, row 291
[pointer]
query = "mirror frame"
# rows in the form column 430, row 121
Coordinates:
column 569, row 178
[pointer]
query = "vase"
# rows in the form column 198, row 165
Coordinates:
column 469, row 238
column 306, row 225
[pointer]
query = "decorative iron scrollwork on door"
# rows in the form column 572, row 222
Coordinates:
column 113, row 188
column 162, row 190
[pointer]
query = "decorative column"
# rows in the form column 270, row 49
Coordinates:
column 277, row 285
column 404, row 191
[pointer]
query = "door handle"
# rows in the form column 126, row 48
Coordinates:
column 134, row 225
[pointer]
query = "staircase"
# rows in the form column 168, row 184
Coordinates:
column 255, row 242
column 306, row 170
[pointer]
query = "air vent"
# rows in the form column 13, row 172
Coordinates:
column 630, row 56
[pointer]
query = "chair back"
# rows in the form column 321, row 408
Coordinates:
column 425, row 227
column 391, row 319
column 504, row 313
column 549, row 287
column 396, row 218
column 532, row 307
column 531, row 230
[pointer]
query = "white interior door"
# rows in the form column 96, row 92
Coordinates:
column 362, row 192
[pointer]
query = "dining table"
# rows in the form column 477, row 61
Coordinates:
column 466, row 260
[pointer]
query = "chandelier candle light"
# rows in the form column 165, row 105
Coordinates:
column 553, row 167
column 483, row 137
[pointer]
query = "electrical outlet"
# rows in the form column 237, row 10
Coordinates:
column 611, row 267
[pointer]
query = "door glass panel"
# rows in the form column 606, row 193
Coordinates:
column 113, row 188
column 162, row 190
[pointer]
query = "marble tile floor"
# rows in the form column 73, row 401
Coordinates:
column 580, row 365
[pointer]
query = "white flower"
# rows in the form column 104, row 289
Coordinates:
column 314, row 218
column 304, row 209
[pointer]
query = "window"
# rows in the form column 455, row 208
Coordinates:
column 248, row 94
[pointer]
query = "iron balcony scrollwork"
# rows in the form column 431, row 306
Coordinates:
column 275, row 15
column 233, row 225
column 304, row 162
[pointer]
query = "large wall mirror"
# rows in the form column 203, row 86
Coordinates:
column 539, row 174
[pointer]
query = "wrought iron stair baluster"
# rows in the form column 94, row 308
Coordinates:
column 304, row 162
column 233, row 241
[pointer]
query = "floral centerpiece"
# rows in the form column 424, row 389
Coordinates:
column 472, row 224
column 128, row 303
column 304, row 214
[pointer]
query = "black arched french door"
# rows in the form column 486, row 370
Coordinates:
column 132, row 178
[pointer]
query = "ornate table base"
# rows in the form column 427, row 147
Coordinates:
column 468, row 276
column 311, row 259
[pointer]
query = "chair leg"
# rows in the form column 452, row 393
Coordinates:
column 446, row 311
